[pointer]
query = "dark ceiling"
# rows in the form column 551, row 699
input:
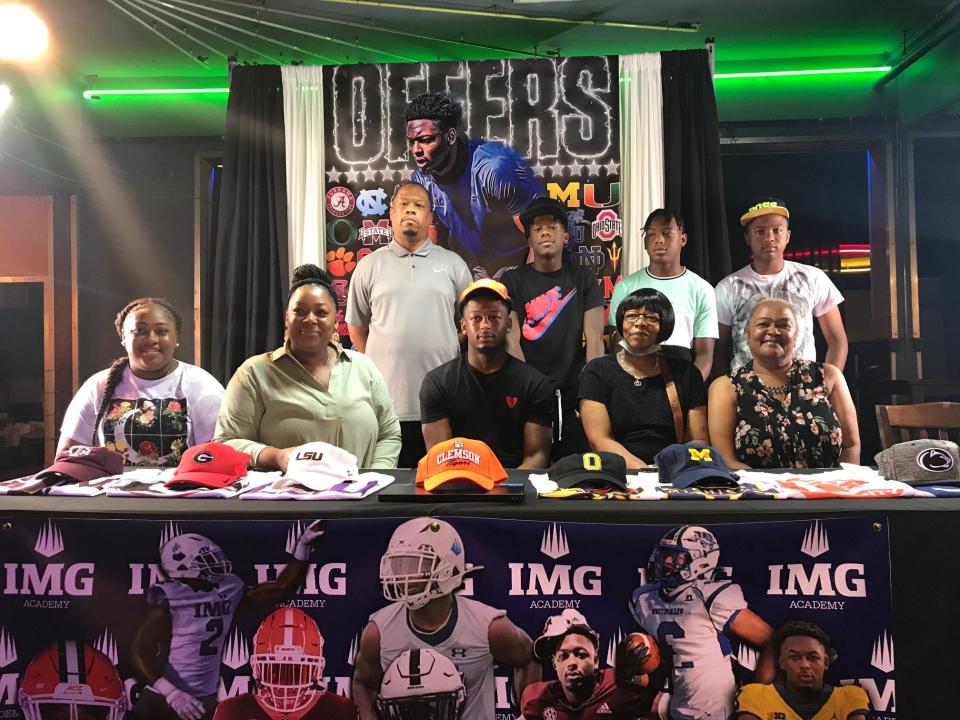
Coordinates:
column 185, row 43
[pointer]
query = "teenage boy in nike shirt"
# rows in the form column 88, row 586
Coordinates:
column 557, row 317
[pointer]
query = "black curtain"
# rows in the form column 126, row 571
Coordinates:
column 248, row 260
column 692, row 168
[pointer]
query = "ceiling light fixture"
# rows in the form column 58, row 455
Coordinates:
column 6, row 97
column 23, row 35
column 801, row 73
column 97, row 94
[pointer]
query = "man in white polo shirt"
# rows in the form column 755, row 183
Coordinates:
column 401, row 309
column 766, row 230
column 695, row 331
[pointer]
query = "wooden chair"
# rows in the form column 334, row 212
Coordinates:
column 899, row 423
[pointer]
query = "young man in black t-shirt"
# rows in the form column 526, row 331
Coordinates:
column 487, row 394
column 558, row 316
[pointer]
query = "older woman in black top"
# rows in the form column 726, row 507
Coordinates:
column 635, row 402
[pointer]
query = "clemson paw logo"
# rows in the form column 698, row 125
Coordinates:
column 340, row 262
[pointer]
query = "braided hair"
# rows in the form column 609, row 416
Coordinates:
column 115, row 371
column 310, row 274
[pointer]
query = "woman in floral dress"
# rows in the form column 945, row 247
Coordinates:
column 778, row 411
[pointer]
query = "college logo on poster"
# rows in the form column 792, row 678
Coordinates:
column 607, row 226
column 820, row 580
column 562, row 579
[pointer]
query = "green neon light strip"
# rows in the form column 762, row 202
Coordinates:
column 799, row 73
column 94, row 94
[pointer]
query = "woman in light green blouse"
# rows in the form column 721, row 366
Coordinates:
column 310, row 389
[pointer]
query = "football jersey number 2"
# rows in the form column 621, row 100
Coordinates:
column 210, row 646
column 671, row 629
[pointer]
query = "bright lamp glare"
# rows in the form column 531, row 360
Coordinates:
column 6, row 97
column 23, row 35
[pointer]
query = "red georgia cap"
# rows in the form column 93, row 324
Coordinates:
column 212, row 465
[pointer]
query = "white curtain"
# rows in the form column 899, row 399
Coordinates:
column 303, row 132
column 641, row 150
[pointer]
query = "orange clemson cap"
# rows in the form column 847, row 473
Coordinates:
column 460, row 459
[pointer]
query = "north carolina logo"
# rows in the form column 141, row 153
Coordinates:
column 203, row 457
column 370, row 202
column 935, row 460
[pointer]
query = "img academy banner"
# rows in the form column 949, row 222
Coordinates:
column 527, row 128
column 209, row 607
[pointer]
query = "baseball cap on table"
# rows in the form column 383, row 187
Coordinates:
column 486, row 285
column 767, row 206
column 921, row 462
column 558, row 627
column 460, row 459
column 594, row 470
column 82, row 463
column 542, row 206
column 693, row 463
column 319, row 466
column 211, row 465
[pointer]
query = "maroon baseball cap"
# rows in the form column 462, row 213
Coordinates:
column 210, row 465
column 82, row 463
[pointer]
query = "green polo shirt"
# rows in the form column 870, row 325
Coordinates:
column 272, row 401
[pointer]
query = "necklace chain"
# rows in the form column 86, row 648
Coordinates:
column 637, row 379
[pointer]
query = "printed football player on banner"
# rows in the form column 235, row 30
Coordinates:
column 478, row 188
column 287, row 666
column 582, row 690
column 689, row 609
column 421, row 572
column 804, row 652
column 421, row 684
column 71, row 681
column 177, row 647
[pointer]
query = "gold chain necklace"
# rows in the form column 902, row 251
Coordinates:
column 637, row 379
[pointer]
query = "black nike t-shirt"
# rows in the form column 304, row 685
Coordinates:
column 493, row 408
column 550, row 307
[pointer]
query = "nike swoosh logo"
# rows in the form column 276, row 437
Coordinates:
column 534, row 328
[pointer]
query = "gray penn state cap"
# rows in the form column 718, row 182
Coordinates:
column 921, row 462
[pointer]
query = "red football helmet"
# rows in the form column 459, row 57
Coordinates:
column 72, row 681
column 287, row 660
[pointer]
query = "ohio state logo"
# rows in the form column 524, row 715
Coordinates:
column 607, row 226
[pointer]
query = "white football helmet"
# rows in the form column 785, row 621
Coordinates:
column 421, row 684
column 194, row 556
column 287, row 661
column 424, row 560
column 683, row 555
column 74, row 680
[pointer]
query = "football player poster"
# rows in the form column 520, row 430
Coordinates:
column 485, row 138
column 277, row 619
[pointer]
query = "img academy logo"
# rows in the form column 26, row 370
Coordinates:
column 329, row 579
column 561, row 581
column 882, row 691
column 809, row 585
column 8, row 680
column 48, row 585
